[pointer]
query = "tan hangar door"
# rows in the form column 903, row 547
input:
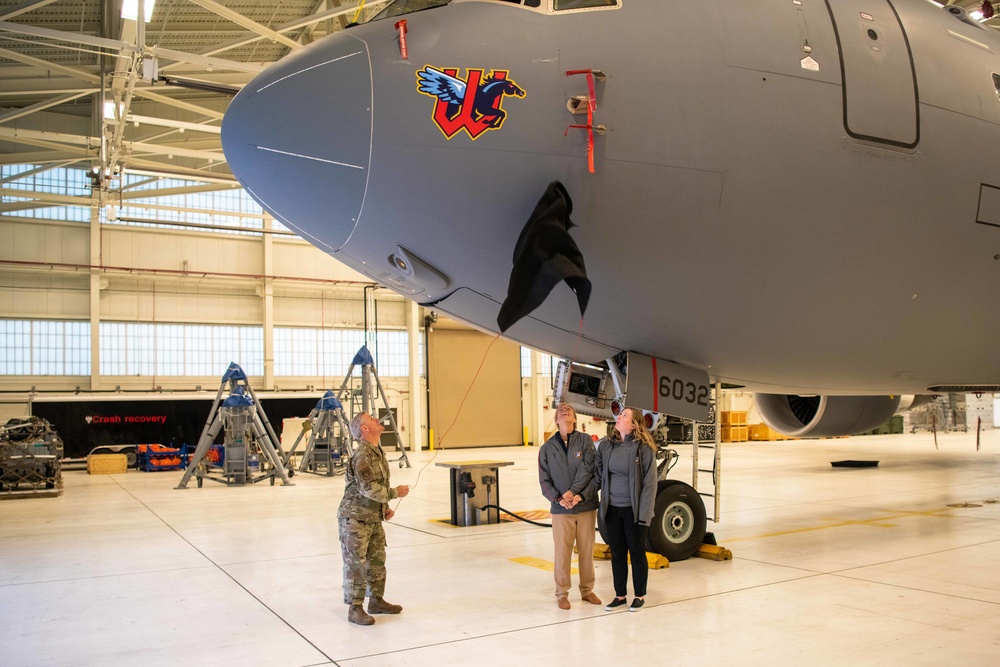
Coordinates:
column 491, row 414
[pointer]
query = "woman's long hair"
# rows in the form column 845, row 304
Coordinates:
column 639, row 430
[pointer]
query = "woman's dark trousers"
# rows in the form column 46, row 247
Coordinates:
column 625, row 537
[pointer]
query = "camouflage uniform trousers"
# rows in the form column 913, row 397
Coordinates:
column 362, row 544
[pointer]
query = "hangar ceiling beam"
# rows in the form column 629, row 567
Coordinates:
column 150, row 168
column 305, row 35
column 48, row 139
column 10, row 207
column 155, row 149
column 170, row 133
column 56, row 139
column 170, row 192
column 189, row 209
column 25, row 89
column 116, row 46
column 166, row 122
column 180, row 104
column 28, row 110
column 291, row 25
column 111, row 45
column 52, row 67
column 24, row 8
column 249, row 24
column 206, row 61
column 39, row 197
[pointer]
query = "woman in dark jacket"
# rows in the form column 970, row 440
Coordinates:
column 626, row 471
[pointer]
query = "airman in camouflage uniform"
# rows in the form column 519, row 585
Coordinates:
column 364, row 507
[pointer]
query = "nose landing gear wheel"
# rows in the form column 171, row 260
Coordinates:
column 678, row 525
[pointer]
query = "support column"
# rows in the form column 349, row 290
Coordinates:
column 413, row 416
column 95, row 291
column 538, row 394
column 267, row 294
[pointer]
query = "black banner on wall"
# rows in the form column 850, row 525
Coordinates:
column 171, row 421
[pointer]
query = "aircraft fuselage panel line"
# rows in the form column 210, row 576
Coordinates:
column 989, row 205
column 371, row 142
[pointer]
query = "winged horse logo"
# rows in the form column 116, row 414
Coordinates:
column 473, row 104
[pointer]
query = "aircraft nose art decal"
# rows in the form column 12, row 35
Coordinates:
column 473, row 104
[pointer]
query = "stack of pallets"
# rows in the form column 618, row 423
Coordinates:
column 734, row 426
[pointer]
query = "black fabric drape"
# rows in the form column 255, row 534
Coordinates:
column 545, row 254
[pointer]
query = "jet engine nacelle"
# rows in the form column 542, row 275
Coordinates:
column 825, row 416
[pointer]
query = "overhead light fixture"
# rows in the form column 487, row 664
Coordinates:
column 109, row 110
column 130, row 9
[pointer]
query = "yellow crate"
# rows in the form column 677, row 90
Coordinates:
column 733, row 418
column 765, row 432
column 734, row 434
column 107, row 464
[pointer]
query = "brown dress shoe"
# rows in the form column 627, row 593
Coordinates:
column 380, row 606
column 357, row 615
column 591, row 598
column 563, row 603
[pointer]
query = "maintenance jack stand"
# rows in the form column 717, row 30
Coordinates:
column 246, row 426
column 329, row 443
column 371, row 391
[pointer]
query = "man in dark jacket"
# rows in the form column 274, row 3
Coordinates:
column 566, row 466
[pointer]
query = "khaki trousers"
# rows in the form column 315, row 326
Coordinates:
column 566, row 529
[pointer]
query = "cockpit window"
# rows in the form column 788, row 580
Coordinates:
column 996, row 83
column 400, row 7
column 566, row 5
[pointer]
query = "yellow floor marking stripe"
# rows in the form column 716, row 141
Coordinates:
column 546, row 565
column 879, row 522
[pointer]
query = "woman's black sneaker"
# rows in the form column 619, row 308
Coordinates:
column 636, row 604
column 614, row 604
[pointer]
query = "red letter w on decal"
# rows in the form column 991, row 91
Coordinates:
column 452, row 118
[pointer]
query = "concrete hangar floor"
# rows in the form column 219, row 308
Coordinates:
column 831, row 566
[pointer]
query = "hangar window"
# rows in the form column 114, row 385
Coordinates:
column 569, row 5
column 41, row 347
column 33, row 179
column 548, row 363
column 145, row 349
column 305, row 352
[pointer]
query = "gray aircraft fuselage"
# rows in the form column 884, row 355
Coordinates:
column 800, row 197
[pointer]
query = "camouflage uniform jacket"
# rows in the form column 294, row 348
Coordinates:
column 367, row 494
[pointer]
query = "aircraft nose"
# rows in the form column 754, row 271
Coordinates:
column 298, row 137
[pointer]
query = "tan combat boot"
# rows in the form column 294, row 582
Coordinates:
column 380, row 606
column 356, row 614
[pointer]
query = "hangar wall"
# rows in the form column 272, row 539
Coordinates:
column 55, row 270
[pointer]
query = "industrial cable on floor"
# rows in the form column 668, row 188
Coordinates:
column 521, row 518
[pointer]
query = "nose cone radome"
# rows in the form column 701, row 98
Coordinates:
column 298, row 137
